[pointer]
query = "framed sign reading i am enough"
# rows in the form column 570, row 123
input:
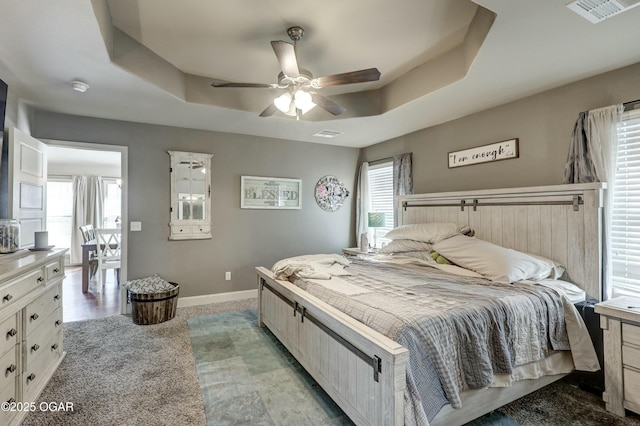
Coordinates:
column 486, row 153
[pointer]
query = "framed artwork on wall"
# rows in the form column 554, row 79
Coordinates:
column 270, row 193
column 504, row 150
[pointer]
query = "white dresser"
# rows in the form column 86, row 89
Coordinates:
column 30, row 327
column 620, row 322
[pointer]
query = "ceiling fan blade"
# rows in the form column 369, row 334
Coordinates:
column 286, row 54
column 361, row 76
column 327, row 104
column 253, row 85
column 269, row 111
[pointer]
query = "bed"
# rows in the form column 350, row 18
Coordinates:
column 364, row 371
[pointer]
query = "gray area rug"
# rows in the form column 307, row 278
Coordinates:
column 119, row 373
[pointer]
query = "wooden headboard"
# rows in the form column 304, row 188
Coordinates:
column 560, row 222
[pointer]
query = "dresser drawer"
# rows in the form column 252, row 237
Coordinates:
column 631, row 356
column 39, row 370
column 7, row 394
column 15, row 289
column 41, row 308
column 631, row 386
column 55, row 269
column 8, row 333
column 43, row 339
column 8, row 370
column 631, row 334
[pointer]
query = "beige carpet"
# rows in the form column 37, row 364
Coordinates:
column 119, row 373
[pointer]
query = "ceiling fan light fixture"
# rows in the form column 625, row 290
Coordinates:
column 283, row 102
column 303, row 101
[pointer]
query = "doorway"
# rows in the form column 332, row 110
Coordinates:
column 101, row 172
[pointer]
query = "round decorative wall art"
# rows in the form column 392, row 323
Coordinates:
column 330, row 193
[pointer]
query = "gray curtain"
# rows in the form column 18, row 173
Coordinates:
column 592, row 158
column 95, row 202
column 580, row 167
column 402, row 174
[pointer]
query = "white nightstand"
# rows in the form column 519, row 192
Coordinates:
column 620, row 323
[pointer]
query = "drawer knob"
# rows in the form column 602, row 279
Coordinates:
column 31, row 377
column 35, row 317
column 35, row 347
column 57, row 323
column 40, row 279
column 11, row 369
column 54, row 346
column 7, row 298
column 56, row 297
column 12, row 332
column 11, row 400
column 56, row 270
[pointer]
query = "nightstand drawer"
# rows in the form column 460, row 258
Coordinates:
column 631, row 386
column 631, row 356
column 631, row 334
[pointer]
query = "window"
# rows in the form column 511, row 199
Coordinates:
column 625, row 232
column 111, row 207
column 59, row 211
column 381, row 199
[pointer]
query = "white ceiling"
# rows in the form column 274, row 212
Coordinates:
column 531, row 47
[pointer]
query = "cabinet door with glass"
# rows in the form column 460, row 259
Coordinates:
column 190, row 195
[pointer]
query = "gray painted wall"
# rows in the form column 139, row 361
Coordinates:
column 542, row 122
column 242, row 238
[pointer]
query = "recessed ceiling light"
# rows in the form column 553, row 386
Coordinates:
column 327, row 133
column 79, row 86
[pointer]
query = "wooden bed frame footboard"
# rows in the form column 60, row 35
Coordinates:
column 362, row 370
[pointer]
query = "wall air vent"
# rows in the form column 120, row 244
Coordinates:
column 331, row 133
column 599, row 10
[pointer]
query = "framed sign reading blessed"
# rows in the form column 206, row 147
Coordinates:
column 269, row 193
column 482, row 154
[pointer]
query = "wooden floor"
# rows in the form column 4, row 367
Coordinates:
column 79, row 306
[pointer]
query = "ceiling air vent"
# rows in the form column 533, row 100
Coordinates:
column 331, row 133
column 599, row 10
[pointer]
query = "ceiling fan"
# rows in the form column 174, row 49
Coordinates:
column 299, row 83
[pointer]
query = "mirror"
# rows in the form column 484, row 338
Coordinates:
column 190, row 195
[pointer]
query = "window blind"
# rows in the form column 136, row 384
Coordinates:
column 381, row 197
column 625, row 214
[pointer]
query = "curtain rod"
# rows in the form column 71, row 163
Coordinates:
column 628, row 106
column 381, row 160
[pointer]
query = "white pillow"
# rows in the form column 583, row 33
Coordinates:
column 425, row 232
column 402, row 246
column 572, row 291
column 492, row 261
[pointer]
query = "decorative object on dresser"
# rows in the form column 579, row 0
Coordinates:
column 31, row 320
column 9, row 235
column 504, row 150
column 330, row 193
column 270, row 193
column 620, row 321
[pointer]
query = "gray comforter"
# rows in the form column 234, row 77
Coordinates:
column 459, row 331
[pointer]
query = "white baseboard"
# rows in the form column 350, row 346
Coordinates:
column 216, row 298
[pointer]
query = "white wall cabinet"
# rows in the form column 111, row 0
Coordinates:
column 31, row 339
column 190, row 196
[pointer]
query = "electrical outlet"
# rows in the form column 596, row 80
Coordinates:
column 227, row 275
column 135, row 226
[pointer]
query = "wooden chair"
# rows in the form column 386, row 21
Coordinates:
column 109, row 250
column 88, row 234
